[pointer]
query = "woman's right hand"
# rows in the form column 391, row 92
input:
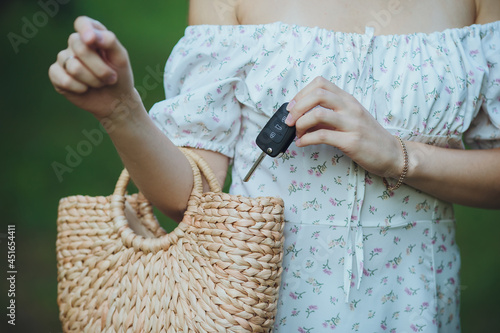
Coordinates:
column 94, row 71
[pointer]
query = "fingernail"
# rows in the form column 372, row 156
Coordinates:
column 111, row 79
column 98, row 36
column 290, row 105
column 288, row 119
column 87, row 36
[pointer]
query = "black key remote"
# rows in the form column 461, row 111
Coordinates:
column 274, row 139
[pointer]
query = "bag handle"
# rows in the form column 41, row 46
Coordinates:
column 198, row 165
column 140, row 243
column 201, row 167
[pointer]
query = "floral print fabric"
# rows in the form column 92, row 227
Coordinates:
column 357, row 257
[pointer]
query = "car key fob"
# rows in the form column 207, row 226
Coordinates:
column 275, row 137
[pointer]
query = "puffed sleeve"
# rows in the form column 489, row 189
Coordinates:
column 484, row 131
column 203, row 75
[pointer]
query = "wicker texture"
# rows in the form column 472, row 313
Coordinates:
column 218, row 271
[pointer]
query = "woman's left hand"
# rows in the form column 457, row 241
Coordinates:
column 325, row 114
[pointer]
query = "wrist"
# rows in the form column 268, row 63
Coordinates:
column 124, row 111
column 401, row 166
column 417, row 153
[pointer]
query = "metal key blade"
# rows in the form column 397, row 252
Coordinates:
column 254, row 166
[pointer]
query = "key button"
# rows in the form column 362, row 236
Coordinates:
column 275, row 136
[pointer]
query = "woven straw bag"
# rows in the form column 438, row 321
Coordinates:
column 218, row 271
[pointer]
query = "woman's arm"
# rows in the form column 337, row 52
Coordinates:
column 469, row 177
column 94, row 73
column 466, row 177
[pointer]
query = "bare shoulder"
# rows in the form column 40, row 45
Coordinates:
column 487, row 11
column 219, row 12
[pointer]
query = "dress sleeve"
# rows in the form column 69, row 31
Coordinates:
column 202, row 76
column 484, row 131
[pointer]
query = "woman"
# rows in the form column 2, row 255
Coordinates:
column 370, row 232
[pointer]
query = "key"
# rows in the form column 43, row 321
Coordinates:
column 274, row 139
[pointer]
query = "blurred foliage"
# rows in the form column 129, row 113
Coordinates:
column 38, row 126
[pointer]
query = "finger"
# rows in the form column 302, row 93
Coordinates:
column 63, row 56
column 115, row 53
column 322, row 136
column 319, row 118
column 90, row 59
column 319, row 92
column 95, row 35
column 88, row 28
column 316, row 97
column 63, row 82
column 81, row 73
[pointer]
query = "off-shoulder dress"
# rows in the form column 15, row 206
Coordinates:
column 357, row 257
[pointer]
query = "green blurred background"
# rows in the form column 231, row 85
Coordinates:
column 38, row 126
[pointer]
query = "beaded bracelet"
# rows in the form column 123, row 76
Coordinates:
column 405, row 168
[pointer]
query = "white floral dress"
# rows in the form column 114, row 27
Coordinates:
column 356, row 257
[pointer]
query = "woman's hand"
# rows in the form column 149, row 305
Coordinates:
column 325, row 114
column 94, row 71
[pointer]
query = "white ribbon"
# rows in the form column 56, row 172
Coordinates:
column 354, row 247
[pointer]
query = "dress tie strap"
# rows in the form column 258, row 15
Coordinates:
column 354, row 249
